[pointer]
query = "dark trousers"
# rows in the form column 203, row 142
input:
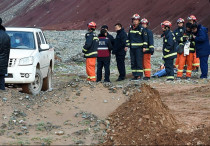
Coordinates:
column 204, row 66
column 136, row 55
column 121, row 65
column 103, row 62
column 2, row 82
column 169, row 66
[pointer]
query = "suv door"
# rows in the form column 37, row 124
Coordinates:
column 44, row 62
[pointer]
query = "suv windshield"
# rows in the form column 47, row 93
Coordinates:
column 21, row 40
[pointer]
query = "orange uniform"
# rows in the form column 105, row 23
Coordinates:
column 196, row 61
column 90, row 53
column 147, row 54
column 188, row 60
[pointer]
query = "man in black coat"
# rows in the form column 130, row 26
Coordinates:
column 119, row 50
column 4, row 54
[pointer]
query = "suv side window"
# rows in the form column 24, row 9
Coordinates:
column 42, row 38
column 38, row 40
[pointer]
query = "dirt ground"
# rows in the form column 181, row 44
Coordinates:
column 76, row 111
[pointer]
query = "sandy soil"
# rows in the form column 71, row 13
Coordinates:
column 79, row 109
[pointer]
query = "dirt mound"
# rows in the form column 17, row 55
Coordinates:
column 145, row 120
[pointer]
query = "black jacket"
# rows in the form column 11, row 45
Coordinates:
column 111, row 38
column 4, row 51
column 179, row 33
column 169, row 45
column 91, row 45
column 137, row 37
column 120, row 43
column 150, row 46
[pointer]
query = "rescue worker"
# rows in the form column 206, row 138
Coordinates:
column 188, row 60
column 119, row 50
column 148, row 51
column 200, row 34
column 111, row 38
column 104, row 56
column 179, row 32
column 137, row 41
column 4, row 54
column 90, row 51
column 169, row 52
column 196, row 63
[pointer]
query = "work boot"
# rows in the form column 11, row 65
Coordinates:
column 170, row 80
column 120, row 79
column 178, row 78
column 134, row 79
column 196, row 70
column 188, row 78
column 146, row 78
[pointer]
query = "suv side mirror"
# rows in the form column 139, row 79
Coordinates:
column 44, row 46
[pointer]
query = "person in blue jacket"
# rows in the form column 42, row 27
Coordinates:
column 200, row 34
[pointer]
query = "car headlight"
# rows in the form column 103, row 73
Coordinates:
column 26, row 61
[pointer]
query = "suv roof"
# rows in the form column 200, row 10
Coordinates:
column 22, row 29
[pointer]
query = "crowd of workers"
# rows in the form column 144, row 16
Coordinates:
column 188, row 45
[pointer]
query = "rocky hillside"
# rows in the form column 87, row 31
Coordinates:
column 75, row 14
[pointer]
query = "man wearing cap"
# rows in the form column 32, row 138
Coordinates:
column 109, row 36
column 4, row 54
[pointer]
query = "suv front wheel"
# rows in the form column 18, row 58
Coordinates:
column 35, row 87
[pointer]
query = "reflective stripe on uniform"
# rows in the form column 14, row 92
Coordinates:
column 137, row 71
column 166, row 50
column 151, row 46
column 145, row 43
column 103, row 48
column 91, row 77
column 169, row 55
column 196, row 64
column 181, row 44
column 84, row 50
column 136, row 44
column 170, row 77
column 147, row 49
column 91, row 53
column 133, row 31
column 189, row 71
column 165, row 40
column 95, row 38
column 180, row 71
column 147, row 69
column 127, row 41
column 181, row 39
column 192, row 49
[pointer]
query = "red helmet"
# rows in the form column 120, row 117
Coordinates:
column 192, row 17
column 166, row 24
column 136, row 17
column 92, row 25
column 144, row 21
column 180, row 20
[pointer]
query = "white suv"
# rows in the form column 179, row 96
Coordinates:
column 31, row 60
